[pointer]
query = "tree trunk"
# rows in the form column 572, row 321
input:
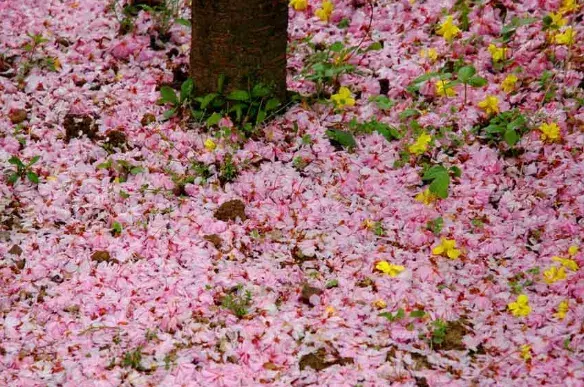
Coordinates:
column 243, row 40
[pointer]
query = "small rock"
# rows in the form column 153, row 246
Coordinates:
column 15, row 250
column 77, row 125
column 231, row 210
column 17, row 116
column 103, row 256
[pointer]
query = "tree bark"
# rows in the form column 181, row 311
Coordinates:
column 243, row 40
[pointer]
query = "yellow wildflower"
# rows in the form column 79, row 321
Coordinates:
column 557, row 19
column 554, row 274
column 563, row 309
column 343, row 98
column 573, row 250
column 490, row 104
column 550, row 132
column 330, row 311
column 421, row 144
column 429, row 53
column 380, row 304
column 210, row 144
column 520, row 308
column 567, row 262
column 443, row 89
column 526, row 352
column 389, row 268
column 324, row 13
column 508, row 84
column 448, row 29
column 448, row 247
column 51, row 178
column 425, row 197
column 568, row 6
column 497, row 53
column 299, row 5
column 567, row 37
column 369, row 224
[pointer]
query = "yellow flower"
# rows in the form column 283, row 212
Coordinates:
column 573, row 250
column 51, row 178
column 567, row 262
column 330, row 311
column 443, row 89
column 299, row 5
column 429, row 53
column 421, row 144
column 497, row 53
column 448, row 247
column 520, row 308
column 526, row 352
column 557, row 19
column 210, row 144
column 369, row 224
column 508, row 84
column 490, row 104
column 568, row 6
column 425, row 197
column 448, row 29
column 567, row 37
column 563, row 309
column 343, row 98
column 389, row 268
column 324, row 13
column 380, row 304
column 550, row 132
column 554, row 274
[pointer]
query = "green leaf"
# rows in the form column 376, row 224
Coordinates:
column 465, row 73
column 344, row 23
column 375, row 46
column 332, row 284
column 389, row 132
column 434, row 172
column 124, row 194
column 435, row 225
column 12, row 178
column 238, row 95
column 34, row 160
column 337, row 47
column 272, row 104
column 400, row 314
column 259, row 91
column 33, row 177
column 408, row 113
column 16, row 161
column 206, row 100
column 183, row 22
column 382, row 102
column 417, row 313
column 213, row 119
column 439, row 185
column 167, row 95
column 116, row 228
column 457, row 172
column 169, row 113
column 186, row 89
column 510, row 136
column 261, row 116
column 346, row 139
column 477, row 82
column 136, row 170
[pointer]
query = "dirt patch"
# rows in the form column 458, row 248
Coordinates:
column 15, row 250
column 147, row 119
column 77, row 125
column 420, row 361
column 300, row 258
column 116, row 139
column 307, row 292
column 215, row 240
column 17, row 116
column 455, row 332
column 366, row 282
column 231, row 210
column 103, row 256
column 422, row 382
column 318, row 360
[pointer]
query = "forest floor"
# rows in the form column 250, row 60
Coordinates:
column 416, row 218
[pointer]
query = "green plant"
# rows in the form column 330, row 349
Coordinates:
column 341, row 138
column 439, row 178
column 23, row 170
column 120, row 169
column 466, row 76
column 400, row 314
column 165, row 15
column 177, row 102
column 508, row 126
column 33, row 59
column 435, row 225
column 389, row 132
column 238, row 302
column 133, row 359
column 228, row 171
column 116, row 229
column 438, row 329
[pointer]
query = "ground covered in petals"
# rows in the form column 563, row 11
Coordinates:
column 415, row 217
